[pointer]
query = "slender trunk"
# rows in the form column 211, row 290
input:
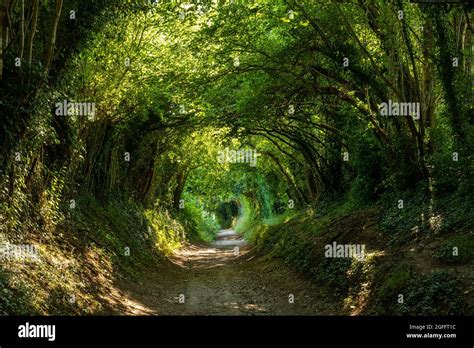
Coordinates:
column 32, row 32
column 427, row 93
column 180, row 182
column 52, row 35
column 448, row 79
column 3, row 22
column 22, row 30
column 296, row 190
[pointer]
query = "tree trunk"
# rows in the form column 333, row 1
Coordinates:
column 180, row 182
column 52, row 35
column 32, row 32
column 22, row 30
column 3, row 29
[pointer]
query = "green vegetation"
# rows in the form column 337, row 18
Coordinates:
column 433, row 294
column 457, row 249
column 101, row 243
column 138, row 126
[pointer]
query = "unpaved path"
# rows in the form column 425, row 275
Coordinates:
column 222, row 278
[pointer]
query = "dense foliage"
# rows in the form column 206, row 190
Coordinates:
column 297, row 86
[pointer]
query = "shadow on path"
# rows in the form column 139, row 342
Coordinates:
column 225, row 277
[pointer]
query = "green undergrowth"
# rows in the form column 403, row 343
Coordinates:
column 403, row 291
column 373, row 285
column 457, row 249
column 425, row 215
column 247, row 217
column 93, row 245
column 199, row 224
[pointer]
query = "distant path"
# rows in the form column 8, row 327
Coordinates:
column 224, row 277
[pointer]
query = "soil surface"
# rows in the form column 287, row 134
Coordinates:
column 224, row 277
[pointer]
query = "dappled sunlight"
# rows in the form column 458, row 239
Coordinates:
column 215, row 254
column 222, row 157
column 435, row 222
column 362, row 274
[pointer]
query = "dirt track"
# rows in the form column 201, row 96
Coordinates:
column 217, row 279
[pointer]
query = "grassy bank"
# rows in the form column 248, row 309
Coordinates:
column 418, row 259
column 91, row 246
